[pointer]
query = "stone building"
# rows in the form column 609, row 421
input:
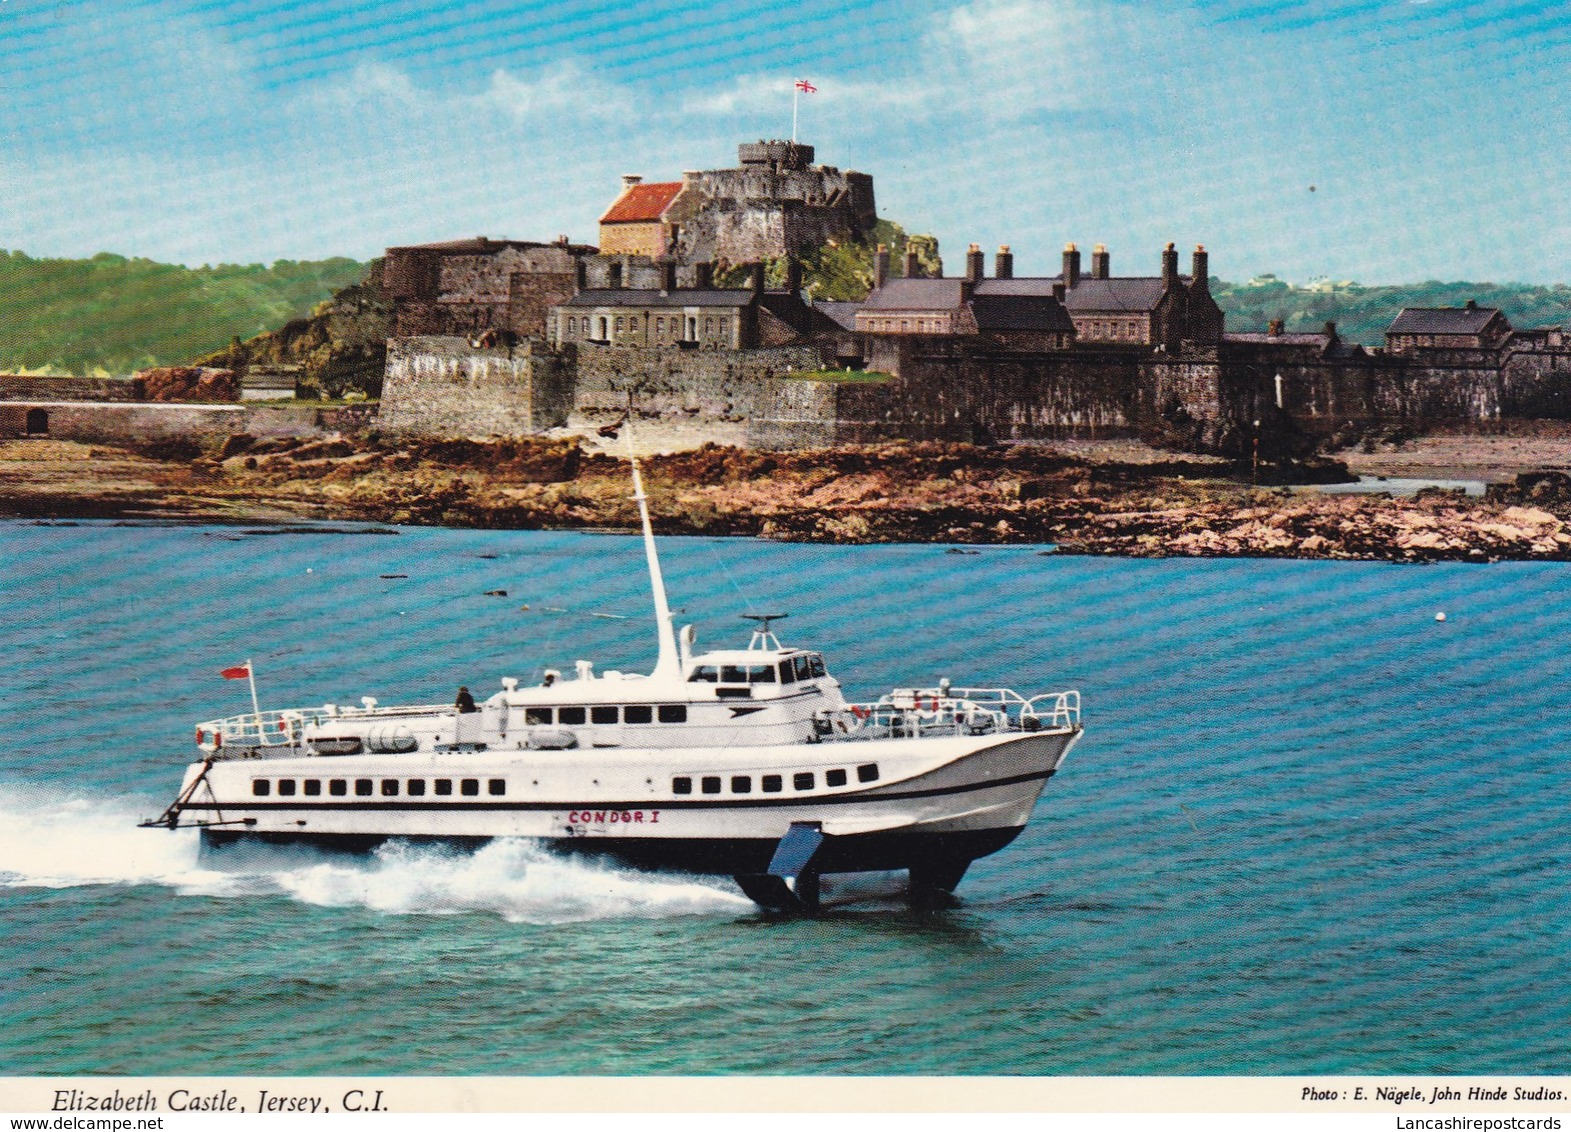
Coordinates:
column 1471, row 327
column 775, row 203
column 637, row 221
column 463, row 288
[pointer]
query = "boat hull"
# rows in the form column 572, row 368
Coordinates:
column 855, row 853
column 970, row 797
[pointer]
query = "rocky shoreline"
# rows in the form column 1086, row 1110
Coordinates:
column 948, row 494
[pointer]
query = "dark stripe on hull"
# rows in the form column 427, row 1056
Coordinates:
column 772, row 801
column 862, row 852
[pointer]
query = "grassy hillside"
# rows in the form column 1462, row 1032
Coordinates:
column 1362, row 313
column 116, row 314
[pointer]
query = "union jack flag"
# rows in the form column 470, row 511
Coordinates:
column 806, row 87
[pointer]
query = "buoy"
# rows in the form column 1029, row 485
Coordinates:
column 1441, row 616
column 308, row 570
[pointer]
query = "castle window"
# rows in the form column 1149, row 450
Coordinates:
column 572, row 326
column 709, row 327
column 725, row 328
column 621, row 323
column 659, row 328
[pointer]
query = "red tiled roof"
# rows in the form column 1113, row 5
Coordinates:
column 643, row 203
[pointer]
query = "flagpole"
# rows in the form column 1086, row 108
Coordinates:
column 250, row 674
column 796, row 94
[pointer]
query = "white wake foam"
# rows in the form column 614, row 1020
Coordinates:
column 51, row 841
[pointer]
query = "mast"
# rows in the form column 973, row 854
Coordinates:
column 668, row 663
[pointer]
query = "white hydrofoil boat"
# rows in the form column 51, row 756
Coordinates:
column 747, row 762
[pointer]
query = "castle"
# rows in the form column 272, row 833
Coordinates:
column 511, row 337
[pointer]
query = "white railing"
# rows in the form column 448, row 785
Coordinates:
column 924, row 712
column 289, row 728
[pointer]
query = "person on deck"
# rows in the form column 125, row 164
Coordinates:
column 465, row 702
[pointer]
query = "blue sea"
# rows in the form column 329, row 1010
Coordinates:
column 1311, row 829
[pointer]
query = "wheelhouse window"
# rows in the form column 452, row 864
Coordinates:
column 286, row 787
column 802, row 780
column 815, row 664
column 469, row 787
column 261, row 787
column 705, row 674
column 771, row 784
column 787, row 672
column 711, row 784
column 603, row 713
column 834, row 778
column 571, row 716
column 673, row 713
column 638, row 713
column 804, row 667
column 681, row 785
column 536, row 716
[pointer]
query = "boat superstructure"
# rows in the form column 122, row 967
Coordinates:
column 748, row 762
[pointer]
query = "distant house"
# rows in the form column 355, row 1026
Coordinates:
column 637, row 222
column 1469, row 327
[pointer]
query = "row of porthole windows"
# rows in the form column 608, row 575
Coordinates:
column 772, row 783
column 366, row 787
column 606, row 713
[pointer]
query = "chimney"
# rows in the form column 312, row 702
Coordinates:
column 912, row 271
column 561, row 241
column 975, row 263
column 704, row 275
column 581, row 275
column 1169, row 265
column 793, row 277
column 1201, row 275
column 631, row 179
column 1004, row 263
column 758, row 280
column 1071, row 266
column 881, row 266
column 1472, row 304
column 1101, row 262
column 1059, row 290
column 667, row 277
column 1330, row 330
column 1274, row 330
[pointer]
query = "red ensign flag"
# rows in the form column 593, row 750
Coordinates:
column 806, row 87
column 239, row 672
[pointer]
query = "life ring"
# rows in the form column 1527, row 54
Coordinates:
column 200, row 735
column 859, row 711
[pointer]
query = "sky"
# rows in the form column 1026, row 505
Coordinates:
column 1381, row 142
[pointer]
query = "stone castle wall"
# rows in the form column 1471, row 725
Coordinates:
column 442, row 386
column 760, row 212
column 20, row 387
column 681, row 385
column 137, row 423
